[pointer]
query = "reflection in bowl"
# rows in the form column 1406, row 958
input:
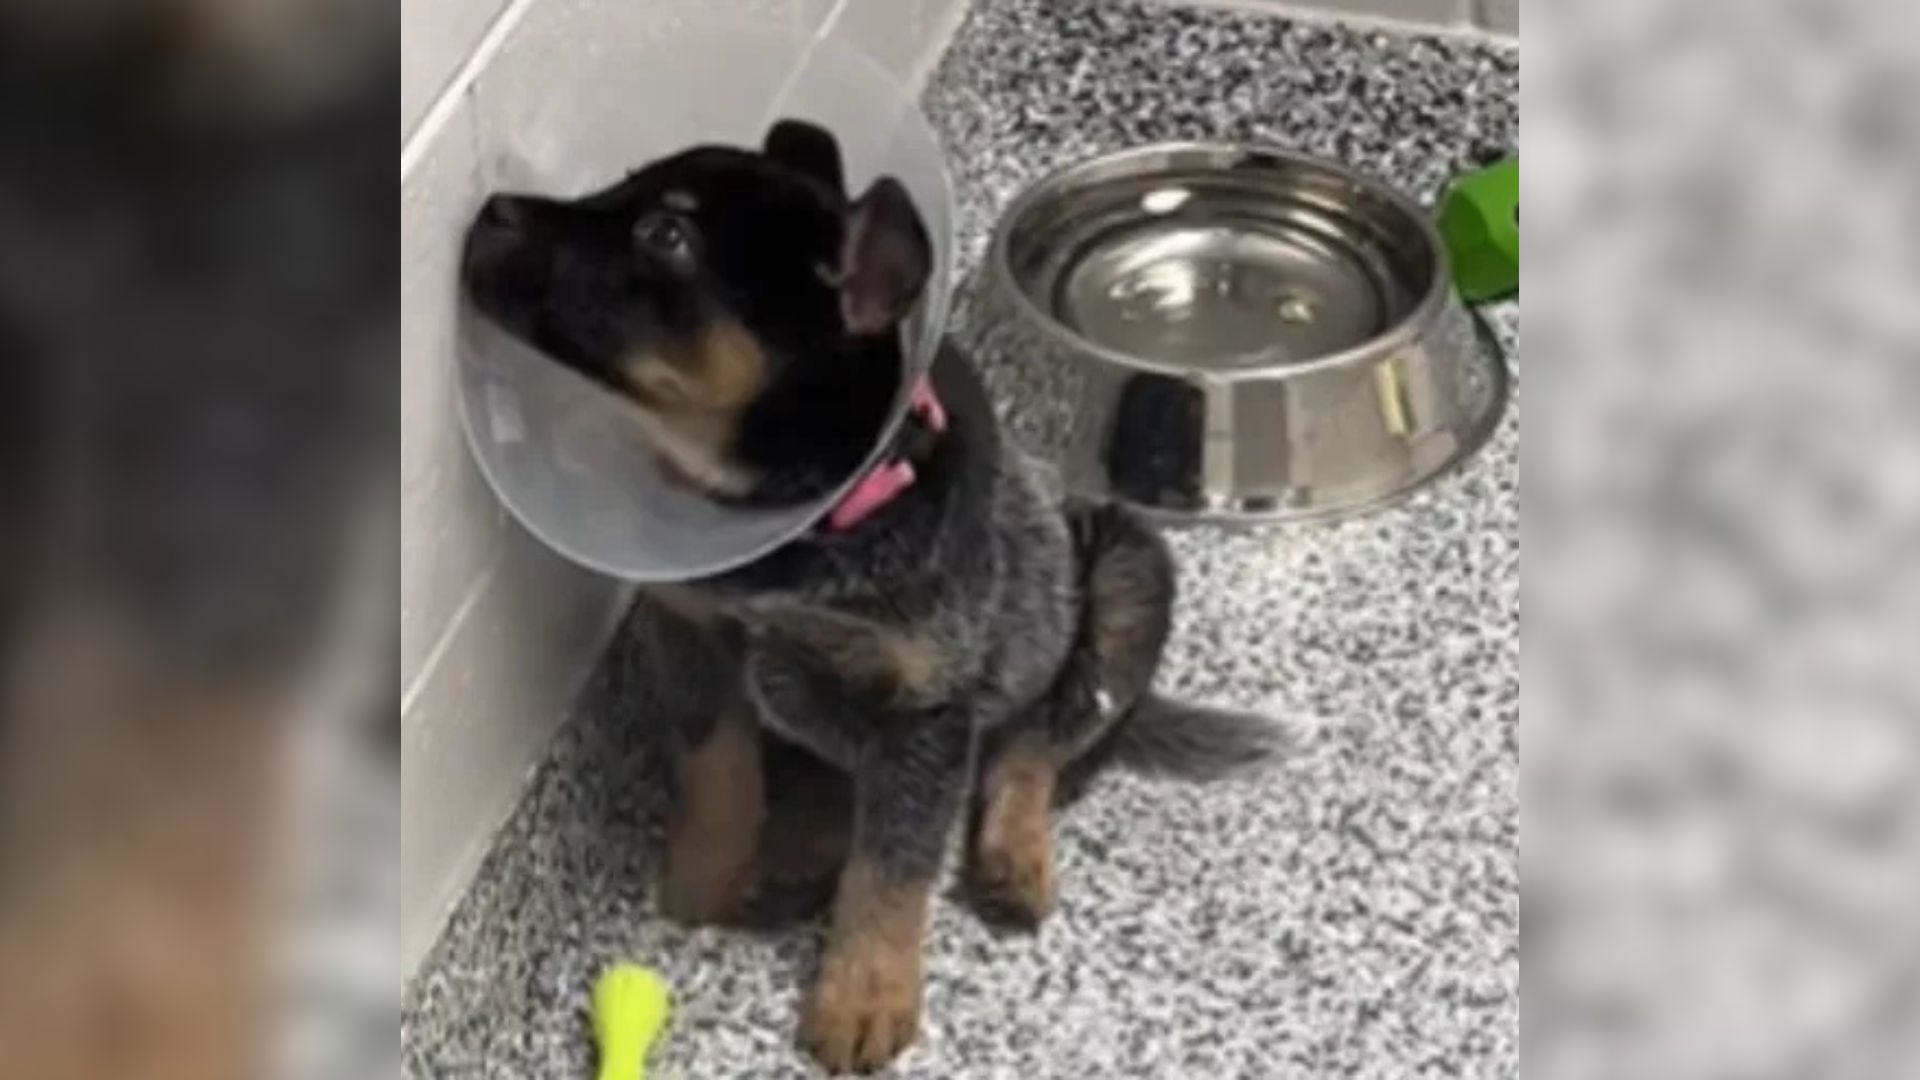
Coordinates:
column 1237, row 334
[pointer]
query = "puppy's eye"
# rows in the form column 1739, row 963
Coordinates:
column 665, row 236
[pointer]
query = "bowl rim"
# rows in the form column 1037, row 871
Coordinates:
column 1211, row 153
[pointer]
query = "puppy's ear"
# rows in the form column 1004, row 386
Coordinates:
column 884, row 259
column 808, row 148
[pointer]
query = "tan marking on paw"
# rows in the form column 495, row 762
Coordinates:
column 864, row 1008
column 1011, row 872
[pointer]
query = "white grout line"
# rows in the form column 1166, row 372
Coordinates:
column 418, row 683
column 830, row 20
column 777, row 105
column 444, row 106
column 935, row 49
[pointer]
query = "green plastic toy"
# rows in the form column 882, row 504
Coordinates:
column 1480, row 221
column 630, row 1009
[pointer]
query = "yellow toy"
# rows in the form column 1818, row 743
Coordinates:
column 630, row 1007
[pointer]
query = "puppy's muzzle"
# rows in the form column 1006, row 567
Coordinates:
column 496, row 235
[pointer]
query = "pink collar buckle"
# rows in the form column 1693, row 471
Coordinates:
column 885, row 481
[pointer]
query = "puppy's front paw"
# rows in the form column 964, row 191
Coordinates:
column 1011, row 878
column 864, row 1009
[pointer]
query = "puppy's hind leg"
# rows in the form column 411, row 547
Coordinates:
column 680, row 664
column 1010, row 863
column 805, row 839
column 1046, row 754
column 714, row 831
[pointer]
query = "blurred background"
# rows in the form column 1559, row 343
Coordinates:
column 1721, row 763
column 198, row 785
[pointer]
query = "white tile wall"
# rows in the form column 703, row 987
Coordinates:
column 497, row 634
column 449, row 522
column 895, row 32
column 887, row 30
column 529, row 108
column 479, row 720
column 436, row 36
column 815, row 13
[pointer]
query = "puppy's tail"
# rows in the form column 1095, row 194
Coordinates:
column 1163, row 737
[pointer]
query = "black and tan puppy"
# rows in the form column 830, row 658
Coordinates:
column 960, row 635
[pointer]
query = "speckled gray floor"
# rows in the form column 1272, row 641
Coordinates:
column 1355, row 914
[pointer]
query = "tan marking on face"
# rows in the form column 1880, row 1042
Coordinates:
column 660, row 384
column 692, row 449
column 723, row 370
column 730, row 366
column 693, row 398
column 682, row 201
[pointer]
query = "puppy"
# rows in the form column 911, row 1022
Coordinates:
column 951, row 643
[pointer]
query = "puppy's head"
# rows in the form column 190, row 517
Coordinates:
column 740, row 299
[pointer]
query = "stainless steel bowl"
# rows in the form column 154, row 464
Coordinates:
column 1234, row 333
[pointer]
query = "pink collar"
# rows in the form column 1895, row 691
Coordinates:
column 893, row 475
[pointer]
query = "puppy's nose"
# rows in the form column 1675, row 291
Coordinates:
column 493, row 238
column 500, row 211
